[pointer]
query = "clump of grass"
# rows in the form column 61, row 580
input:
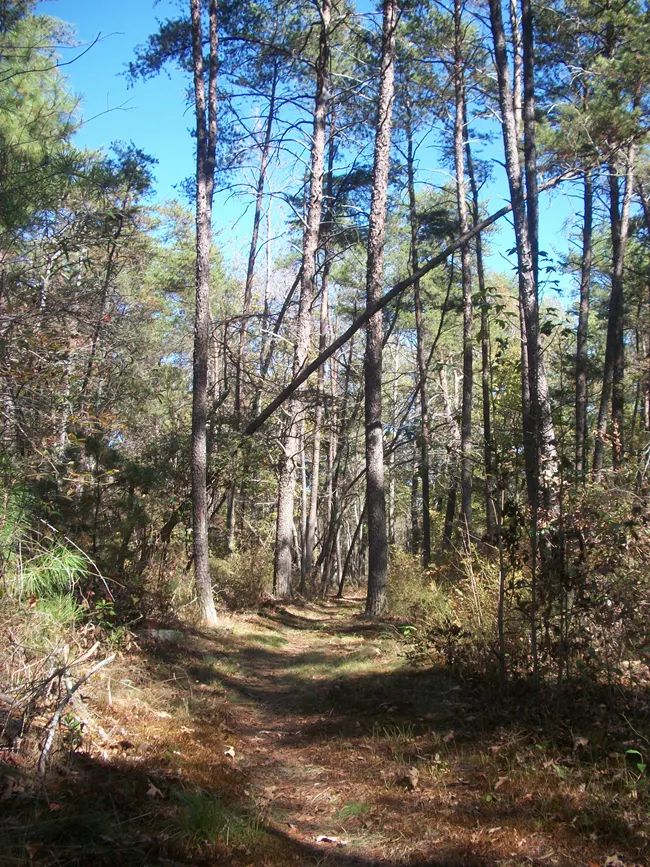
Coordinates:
column 413, row 594
column 399, row 738
column 352, row 810
column 204, row 818
column 53, row 571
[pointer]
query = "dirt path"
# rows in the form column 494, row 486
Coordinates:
column 302, row 736
column 353, row 756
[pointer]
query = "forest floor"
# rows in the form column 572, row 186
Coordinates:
column 302, row 736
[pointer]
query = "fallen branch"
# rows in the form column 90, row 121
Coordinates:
column 54, row 722
column 370, row 311
column 367, row 314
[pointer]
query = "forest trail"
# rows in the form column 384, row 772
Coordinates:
column 347, row 754
column 302, row 735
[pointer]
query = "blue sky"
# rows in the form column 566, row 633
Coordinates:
column 155, row 116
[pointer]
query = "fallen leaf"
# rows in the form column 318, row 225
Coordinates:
column 614, row 861
column 500, row 782
column 33, row 849
column 154, row 791
column 230, row 752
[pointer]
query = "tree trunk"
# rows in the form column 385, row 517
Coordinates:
column 312, row 519
column 248, row 295
column 421, row 362
column 490, row 505
column 583, row 331
column 466, row 270
column 286, row 487
column 392, row 536
column 619, row 216
column 452, row 490
column 540, row 448
column 375, row 492
column 252, row 253
column 206, row 136
column 517, row 80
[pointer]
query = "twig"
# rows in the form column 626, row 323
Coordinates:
column 54, row 722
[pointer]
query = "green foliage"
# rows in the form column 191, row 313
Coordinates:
column 61, row 610
column 36, row 118
column 50, row 573
column 204, row 817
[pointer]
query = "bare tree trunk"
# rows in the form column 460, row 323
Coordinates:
column 375, row 491
column 312, row 521
column 248, row 295
column 540, row 430
column 452, row 491
column 310, row 532
column 391, row 457
column 286, row 487
column 583, row 331
column 490, row 504
column 517, row 80
column 416, row 535
column 421, row 361
column 466, row 269
column 206, row 135
column 252, row 253
column 619, row 216
column 357, row 532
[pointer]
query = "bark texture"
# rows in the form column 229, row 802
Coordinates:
column 375, row 490
column 206, row 138
column 466, row 272
column 583, row 331
column 291, row 448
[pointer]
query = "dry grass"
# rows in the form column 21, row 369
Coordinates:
column 247, row 746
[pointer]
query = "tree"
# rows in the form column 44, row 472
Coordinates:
column 539, row 434
column 291, row 445
column 206, row 143
column 375, row 491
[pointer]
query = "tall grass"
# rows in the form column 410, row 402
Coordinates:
column 38, row 564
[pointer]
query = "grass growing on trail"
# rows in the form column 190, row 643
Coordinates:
column 352, row 811
column 249, row 746
column 204, row 817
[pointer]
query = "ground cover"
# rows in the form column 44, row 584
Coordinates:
column 303, row 735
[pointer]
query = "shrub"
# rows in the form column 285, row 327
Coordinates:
column 245, row 578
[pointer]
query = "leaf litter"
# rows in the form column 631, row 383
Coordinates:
column 281, row 757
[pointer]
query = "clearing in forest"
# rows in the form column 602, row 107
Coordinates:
column 303, row 735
